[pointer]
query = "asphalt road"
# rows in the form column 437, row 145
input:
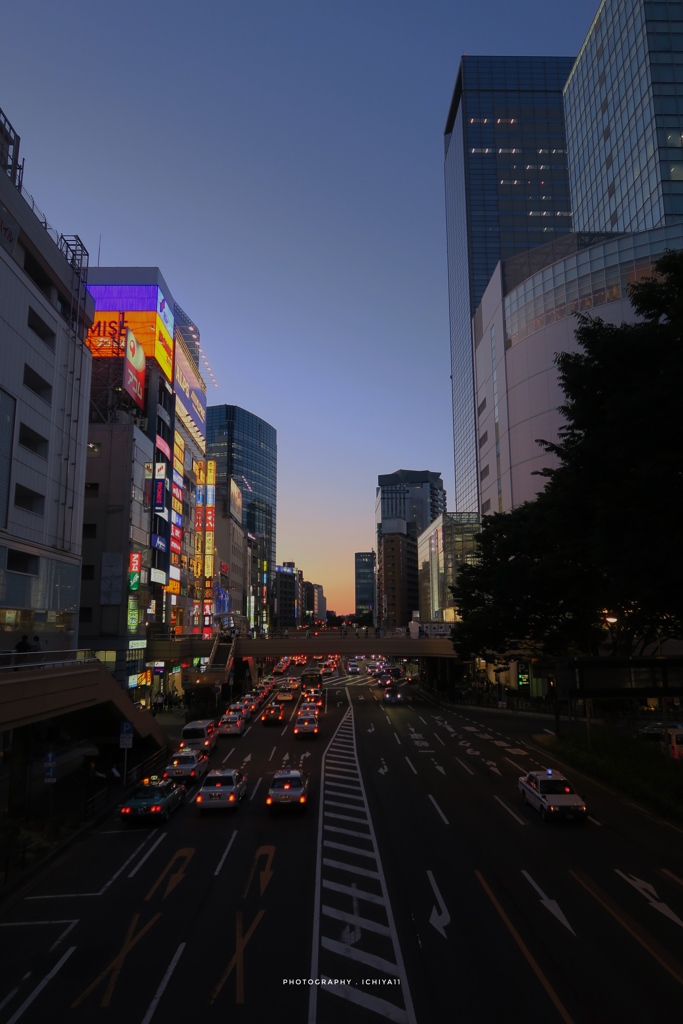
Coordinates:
column 415, row 887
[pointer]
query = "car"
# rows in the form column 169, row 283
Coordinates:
column 284, row 693
column 384, row 679
column 199, row 735
column 222, row 789
column 315, row 697
column 231, row 725
column 552, row 795
column 288, row 787
column 392, row 696
column 272, row 715
column 328, row 668
column 396, row 673
column 352, row 668
column 187, row 766
column 653, row 730
column 306, row 725
column 294, row 682
column 252, row 701
column 152, row 800
column 239, row 707
column 308, row 708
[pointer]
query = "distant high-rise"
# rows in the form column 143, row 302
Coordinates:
column 365, row 584
column 245, row 449
column 507, row 190
column 406, row 502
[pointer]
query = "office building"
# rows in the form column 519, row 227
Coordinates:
column 365, row 586
column 245, row 450
column 417, row 496
column 447, row 544
column 507, row 190
column 624, row 116
column 45, row 370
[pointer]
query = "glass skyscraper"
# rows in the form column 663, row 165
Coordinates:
column 245, row 449
column 365, row 583
column 507, row 190
column 624, row 104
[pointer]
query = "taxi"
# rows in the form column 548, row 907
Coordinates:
column 288, row 788
column 222, row 789
column 306, row 725
column 187, row 766
column 152, row 800
column 552, row 795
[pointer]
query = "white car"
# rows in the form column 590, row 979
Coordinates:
column 552, row 795
column 231, row 724
column 239, row 707
column 222, row 789
column 187, row 766
column 284, row 694
column 306, row 725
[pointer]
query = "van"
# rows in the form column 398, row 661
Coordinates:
column 672, row 743
column 201, row 735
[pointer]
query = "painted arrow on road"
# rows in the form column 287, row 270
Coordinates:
column 438, row 767
column 372, row 728
column 650, row 893
column 551, row 905
column 439, row 917
column 383, row 770
column 492, row 766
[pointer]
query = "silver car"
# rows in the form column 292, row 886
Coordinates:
column 306, row 725
column 231, row 724
column 289, row 787
column 222, row 789
column 187, row 766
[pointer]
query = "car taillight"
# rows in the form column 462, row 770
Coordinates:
column 231, row 798
column 182, row 744
column 302, row 799
column 192, row 774
column 165, row 775
column 125, row 810
column 207, row 743
column 198, row 798
column 316, row 729
column 155, row 808
column 269, row 799
column 295, row 729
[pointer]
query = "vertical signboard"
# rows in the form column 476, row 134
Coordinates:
column 134, row 369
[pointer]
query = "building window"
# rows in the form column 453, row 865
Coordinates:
column 28, row 500
column 35, row 383
column 484, row 473
column 486, row 506
column 43, row 330
column 481, row 406
column 89, row 531
column 7, row 410
column 33, row 441
column 483, row 439
column 23, row 562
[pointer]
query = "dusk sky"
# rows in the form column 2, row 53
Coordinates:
column 281, row 162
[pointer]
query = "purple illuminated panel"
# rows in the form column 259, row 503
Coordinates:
column 125, row 296
column 189, row 391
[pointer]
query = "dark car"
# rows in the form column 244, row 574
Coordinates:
column 152, row 800
column 272, row 715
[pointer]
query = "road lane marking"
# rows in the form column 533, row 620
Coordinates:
column 229, row 754
column 352, row 890
column 552, row 905
column 164, row 982
column 397, row 739
column 439, row 917
column 465, row 766
column 364, row 923
column 660, row 954
column 414, row 770
column 509, row 810
column 518, row 767
column 445, row 819
column 437, row 737
column 147, row 855
column 272, row 752
column 253, row 792
column 550, row 991
column 221, row 862
column 39, row 988
column 69, row 895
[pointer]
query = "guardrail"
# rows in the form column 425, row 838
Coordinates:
column 21, row 660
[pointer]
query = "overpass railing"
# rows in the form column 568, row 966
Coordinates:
column 22, row 660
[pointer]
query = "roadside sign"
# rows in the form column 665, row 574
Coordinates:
column 216, row 687
column 126, row 736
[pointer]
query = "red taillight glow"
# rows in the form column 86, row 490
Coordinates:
column 269, row 799
column 165, row 775
column 231, row 798
column 192, row 774
column 295, row 729
column 155, row 809
column 316, row 729
column 125, row 810
column 198, row 798
column 302, row 799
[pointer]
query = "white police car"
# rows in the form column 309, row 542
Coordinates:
column 552, row 795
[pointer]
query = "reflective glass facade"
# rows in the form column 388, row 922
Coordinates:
column 624, row 111
column 245, row 449
column 507, row 190
column 442, row 549
column 365, row 582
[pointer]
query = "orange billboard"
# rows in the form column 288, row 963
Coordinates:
column 107, row 336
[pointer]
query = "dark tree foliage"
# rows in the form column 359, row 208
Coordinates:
column 606, row 534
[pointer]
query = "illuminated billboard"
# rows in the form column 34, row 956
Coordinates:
column 190, row 390
column 108, row 334
column 134, row 370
